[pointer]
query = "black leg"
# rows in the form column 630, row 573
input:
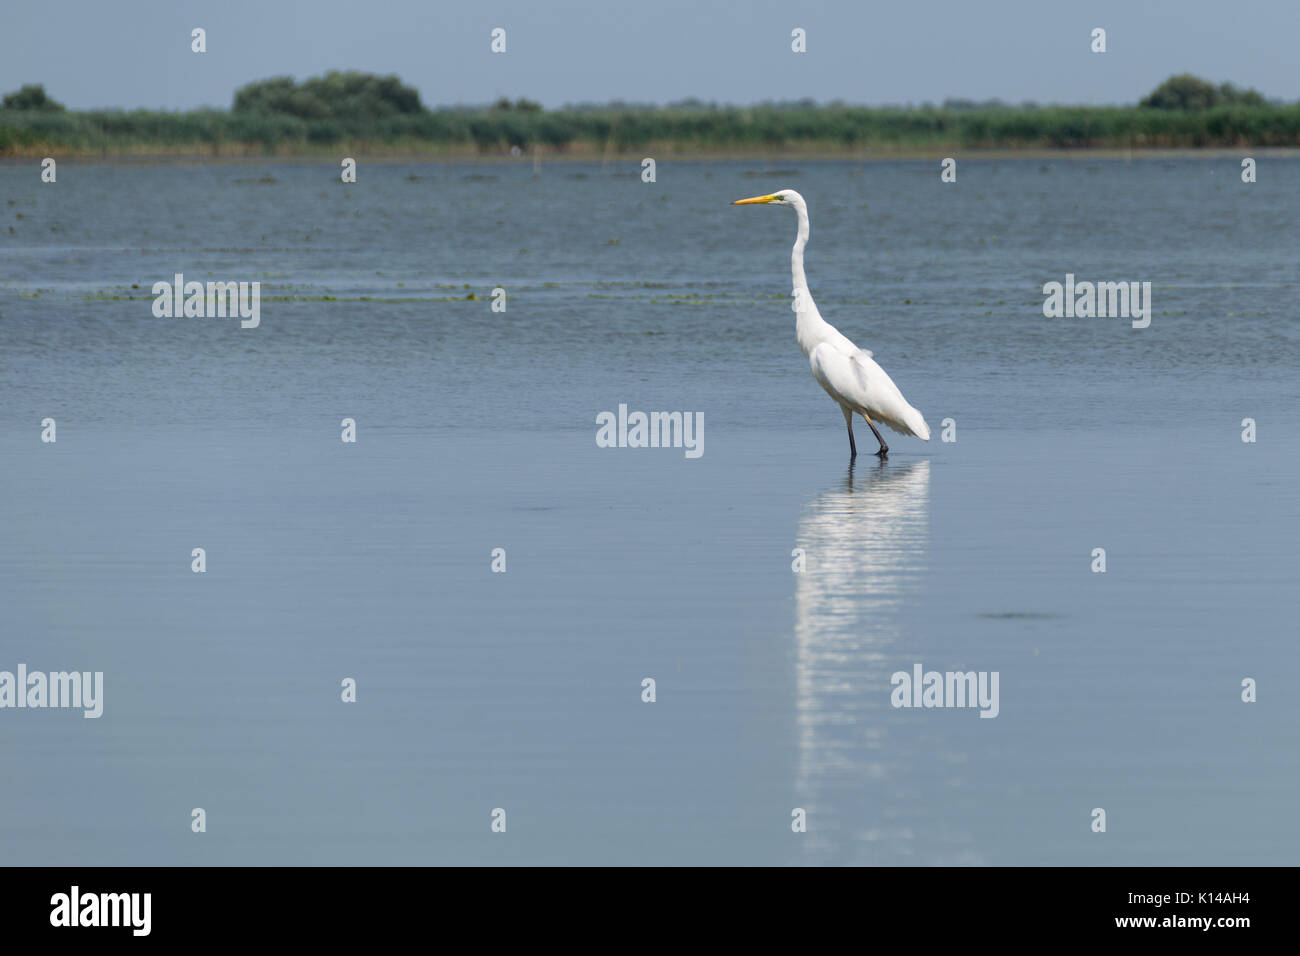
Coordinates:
column 848, row 420
column 884, row 449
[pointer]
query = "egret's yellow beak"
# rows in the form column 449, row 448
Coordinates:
column 746, row 202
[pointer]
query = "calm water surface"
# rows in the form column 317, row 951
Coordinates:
column 476, row 431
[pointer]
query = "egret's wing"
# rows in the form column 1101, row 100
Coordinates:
column 854, row 379
column 836, row 373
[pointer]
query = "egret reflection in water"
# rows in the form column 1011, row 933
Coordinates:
column 866, row 544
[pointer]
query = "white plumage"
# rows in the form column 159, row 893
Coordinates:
column 849, row 374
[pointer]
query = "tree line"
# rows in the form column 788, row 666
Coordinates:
column 363, row 110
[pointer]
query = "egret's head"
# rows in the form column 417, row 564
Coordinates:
column 785, row 197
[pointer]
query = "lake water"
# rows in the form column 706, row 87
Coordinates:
column 476, row 430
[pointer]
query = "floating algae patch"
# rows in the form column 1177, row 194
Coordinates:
column 107, row 297
column 1018, row 616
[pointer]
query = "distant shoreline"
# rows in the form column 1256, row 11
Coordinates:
column 367, row 153
column 357, row 115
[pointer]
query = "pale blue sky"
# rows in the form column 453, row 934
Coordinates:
column 135, row 53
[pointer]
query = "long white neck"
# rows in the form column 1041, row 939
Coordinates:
column 810, row 328
column 796, row 254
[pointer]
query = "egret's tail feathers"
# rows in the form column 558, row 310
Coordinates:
column 911, row 422
column 916, row 421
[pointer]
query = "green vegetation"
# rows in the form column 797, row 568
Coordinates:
column 1187, row 92
column 360, row 113
column 30, row 97
column 335, row 96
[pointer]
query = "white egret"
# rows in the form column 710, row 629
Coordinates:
column 849, row 374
